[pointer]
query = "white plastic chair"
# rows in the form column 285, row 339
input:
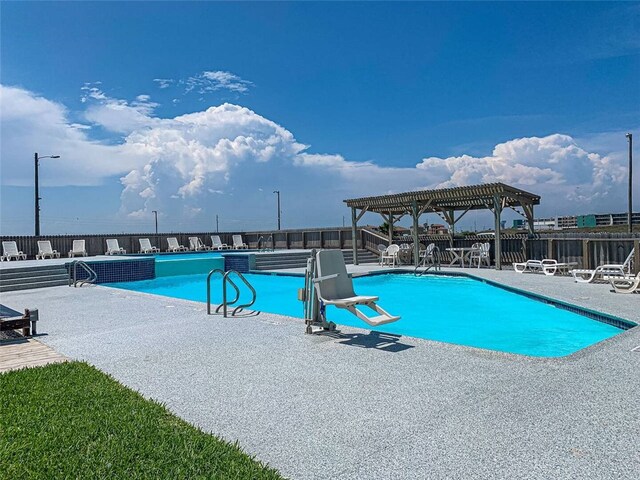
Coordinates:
column 390, row 256
column 381, row 249
column 10, row 250
column 113, row 248
column 238, row 243
column 46, row 251
column 427, row 255
column 146, row 247
column 217, row 243
column 481, row 254
column 174, row 246
column 78, row 248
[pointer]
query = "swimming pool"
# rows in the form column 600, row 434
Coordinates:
column 458, row 310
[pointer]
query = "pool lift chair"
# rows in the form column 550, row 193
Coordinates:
column 328, row 283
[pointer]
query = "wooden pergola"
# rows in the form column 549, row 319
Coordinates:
column 446, row 202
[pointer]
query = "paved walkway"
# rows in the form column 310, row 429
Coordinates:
column 23, row 353
column 361, row 404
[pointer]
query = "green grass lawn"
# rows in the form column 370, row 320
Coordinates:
column 70, row 420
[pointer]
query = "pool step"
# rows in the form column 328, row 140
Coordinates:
column 24, row 278
column 278, row 261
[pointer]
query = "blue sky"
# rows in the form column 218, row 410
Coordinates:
column 325, row 102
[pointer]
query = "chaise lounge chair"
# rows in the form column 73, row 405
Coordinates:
column 174, row 246
column 217, row 243
column 196, row 244
column 46, row 251
column 238, row 243
column 335, row 287
column 628, row 284
column 78, row 248
column 604, row 272
column 113, row 248
column 548, row 266
column 146, row 247
column 10, row 251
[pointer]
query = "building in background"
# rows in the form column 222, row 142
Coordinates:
column 592, row 220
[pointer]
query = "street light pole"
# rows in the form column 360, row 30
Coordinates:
column 277, row 192
column 217, row 229
column 155, row 213
column 36, row 160
column 630, row 139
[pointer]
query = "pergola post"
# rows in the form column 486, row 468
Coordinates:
column 497, row 210
column 390, row 227
column 528, row 212
column 354, row 233
column 416, row 239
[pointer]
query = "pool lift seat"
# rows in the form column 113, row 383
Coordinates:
column 334, row 286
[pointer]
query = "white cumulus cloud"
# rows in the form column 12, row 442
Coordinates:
column 228, row 159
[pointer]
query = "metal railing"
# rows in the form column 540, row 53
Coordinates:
column 73, row 274
column 435, row 254
column 225, row 301
column 263, row 245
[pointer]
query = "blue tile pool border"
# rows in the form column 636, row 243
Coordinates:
column 110, row 271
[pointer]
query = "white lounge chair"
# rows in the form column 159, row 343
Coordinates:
column 113, row 248
column 196, row 244
column 335, row 287
column 78, row 248
column 217, row 243
column 146, row 247
column 238, row 243
column 548, row 266
column 390, row 255
column 627, row 284
column 604, row 272
column 46, row 251
column 10, row 251
column 174, row 246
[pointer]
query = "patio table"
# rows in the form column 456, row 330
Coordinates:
column 460, row 254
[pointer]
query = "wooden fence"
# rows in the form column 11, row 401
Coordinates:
column 282, row 239
column 588, row 250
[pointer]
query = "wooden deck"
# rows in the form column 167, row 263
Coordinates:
column 26, row 353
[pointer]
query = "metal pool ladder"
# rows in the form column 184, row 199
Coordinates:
column 435, row 265
column 73, row 274
column 225, row 301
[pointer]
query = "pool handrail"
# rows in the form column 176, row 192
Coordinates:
column 73, row 273
column 225, row 302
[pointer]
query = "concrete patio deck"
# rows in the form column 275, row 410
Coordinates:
column 363, row 404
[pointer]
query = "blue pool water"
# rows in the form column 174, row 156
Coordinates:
column 456, row 310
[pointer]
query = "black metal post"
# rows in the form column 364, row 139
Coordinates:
column 277, row 192
column 37, row 204
column 217, row 229
column 155, row 213
column 630, row 139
